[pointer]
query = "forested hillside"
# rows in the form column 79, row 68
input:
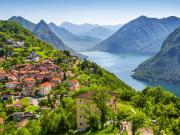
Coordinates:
column 25, row 59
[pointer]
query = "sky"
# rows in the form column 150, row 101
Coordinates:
column 104, row 12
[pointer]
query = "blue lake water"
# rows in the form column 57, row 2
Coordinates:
column 122, row 65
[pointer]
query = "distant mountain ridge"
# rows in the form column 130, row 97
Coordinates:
column 100, row 32
column 77, row 42
column 140, row 36
column 165, row 65
column 43, row 31
column 93, row 30
column 78, row 29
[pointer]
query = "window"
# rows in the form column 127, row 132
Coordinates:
column 80, row 100
column 81, row 124
column 80, row 116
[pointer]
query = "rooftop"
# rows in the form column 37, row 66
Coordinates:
column 85, row 95
column 73, row 81
column 45, row 84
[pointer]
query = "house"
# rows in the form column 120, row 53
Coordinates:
column 146, row 131
column 1, row 121
column 3, row 76
column 44, row 88
column 15, row 45
column 69, row 73
column 19, row 43
column 73, row 85
column 22, row 72
column 56, row 80
column 29, row 82
column 12, row 78
column 22, row 123
column 12, row 85
column 6, row 97
column 39, row 78
column 27, row 91
column 17, row 104
column 10, row 41
column 17, row 116
column 47, row 62
column 33, row 56
column 83, row 102
column 33, row 101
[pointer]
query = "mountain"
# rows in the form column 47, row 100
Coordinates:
column 79, row 29
column 100, row 32
column 43, row 31
column 11, row 32
column 93, row 30
column 25, row 23
column 113, row 27
column 165, row 65
column 77, row 42
column 141, row 36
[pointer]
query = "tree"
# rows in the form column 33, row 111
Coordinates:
column 93, row 122
column 139, row 100
column 6, row 130
column 126, row 94
column 175, row 126
column 101, row 97
column 23, row 131
column 60, row 90
column 59, row 60
column 162, row 123
column 43, row 102
column 64, row 76
column 56, row 122
column 92, row 117
column 137, row 121
column 123, row 114
column 67, row 53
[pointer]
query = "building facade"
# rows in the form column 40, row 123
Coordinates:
column 85, row 104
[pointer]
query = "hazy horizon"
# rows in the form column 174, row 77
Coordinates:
column 102, row 12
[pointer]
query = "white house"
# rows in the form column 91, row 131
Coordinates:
column 11, row 85
column 33, row 56
column 44, row 88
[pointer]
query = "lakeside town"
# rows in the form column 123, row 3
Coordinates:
column 32, row 83
column 49, row 91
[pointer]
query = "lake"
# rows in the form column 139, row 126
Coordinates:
column 122, row 65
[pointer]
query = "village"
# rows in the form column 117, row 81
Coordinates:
column 27, row 90
column 32, row 82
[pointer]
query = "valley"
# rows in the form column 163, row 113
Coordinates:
column 90, row 67
column 122, row 65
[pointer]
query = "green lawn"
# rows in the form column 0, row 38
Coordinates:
column 126, row 107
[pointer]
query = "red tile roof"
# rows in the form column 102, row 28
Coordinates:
column 45, row 84
column 29, row 79
column 13, row 83
column 73, row 81
column 56, row 79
